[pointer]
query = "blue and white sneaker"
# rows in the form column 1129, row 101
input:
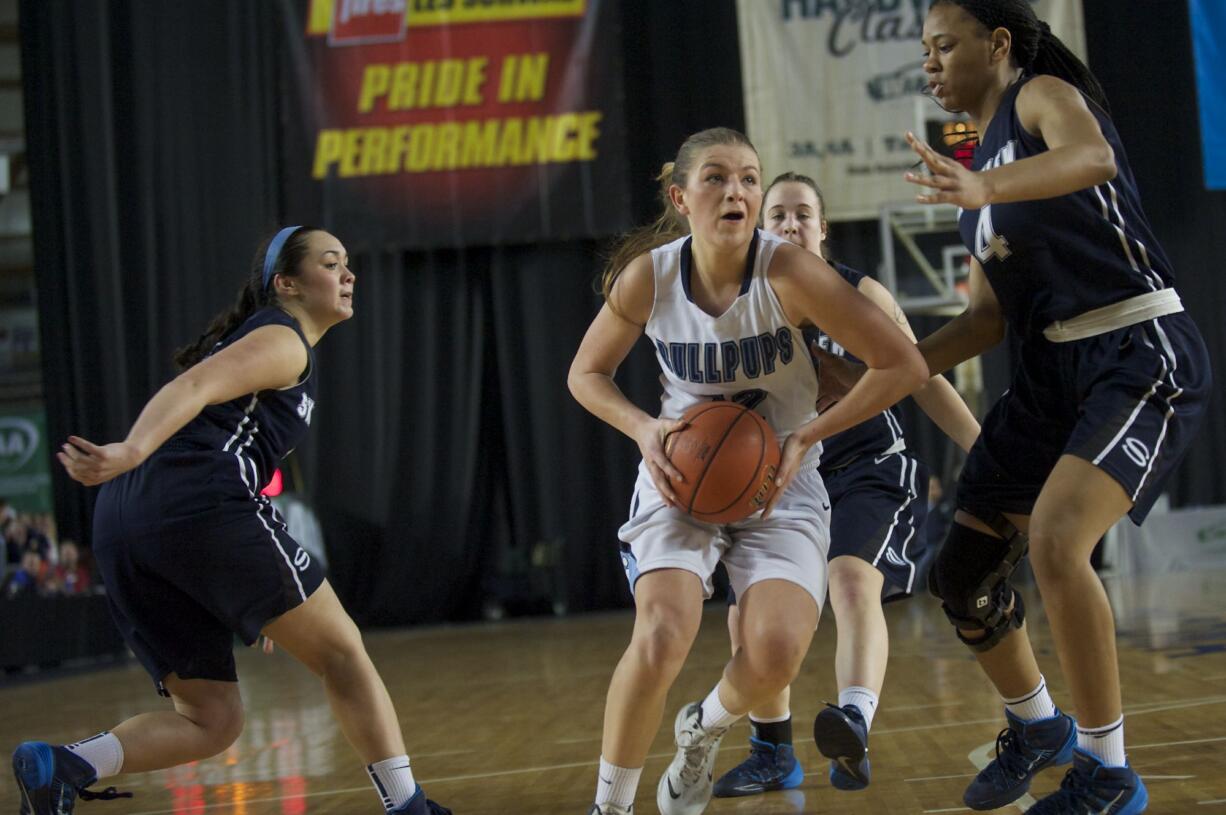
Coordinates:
column 420, row 805
column 51, row 778
column 769, row 767
column 1091, row 786
column 685, row 788
column 1022, row 750
column 842, row 737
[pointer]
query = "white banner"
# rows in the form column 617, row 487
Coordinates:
column 1183, row 540
column 831, row 86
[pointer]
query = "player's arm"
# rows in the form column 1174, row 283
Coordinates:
column 1078, row 156
column 979, row 327
column 936, row 397
column 269, row 357
column 608, row 340
column 812, row 292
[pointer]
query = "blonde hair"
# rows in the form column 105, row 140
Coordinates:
column 670, row 225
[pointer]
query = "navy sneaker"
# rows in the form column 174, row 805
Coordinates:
column 1091, row 786
column 769, row 767
column 420, row 805
column 51, row 778
column 842, row 737
column 1022, row 750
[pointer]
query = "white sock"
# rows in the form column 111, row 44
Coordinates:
column 1106, row 742
column 862, row 698
column 616, row 785
column 714, row 715
column 393, row 780
column 103, row 752
column 1037, row 704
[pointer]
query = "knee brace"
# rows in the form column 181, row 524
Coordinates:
column 971, row 578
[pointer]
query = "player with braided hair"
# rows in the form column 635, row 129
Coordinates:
column 1108, row 390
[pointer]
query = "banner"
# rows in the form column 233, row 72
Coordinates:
column 1208, row 21
column 25, row 459
column 1182, row 540
column 457, row 122
column 831, row 87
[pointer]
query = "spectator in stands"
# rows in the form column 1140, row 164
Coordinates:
column 28, row 578
column 33, row 538
column 69, row 576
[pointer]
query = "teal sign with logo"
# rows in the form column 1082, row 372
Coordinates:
column 25, row 459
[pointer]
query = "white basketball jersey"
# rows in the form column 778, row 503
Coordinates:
column 749, row 354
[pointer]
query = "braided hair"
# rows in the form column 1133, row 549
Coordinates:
column 1035, row 48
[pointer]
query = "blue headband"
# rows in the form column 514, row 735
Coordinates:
column 274, row 251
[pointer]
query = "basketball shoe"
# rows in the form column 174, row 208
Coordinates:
column 51, row 778
column 610, row 809
column 685, row 788
column 1022, row 750
column 420, row 805
column 769, row 767
column 1091, row 786
column 842, row 737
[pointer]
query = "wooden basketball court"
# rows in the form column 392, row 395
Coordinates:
column 505, row 719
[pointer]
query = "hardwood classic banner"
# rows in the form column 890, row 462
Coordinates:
column 458, row 122
column 831, row 86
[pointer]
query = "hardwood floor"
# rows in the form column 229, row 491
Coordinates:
column 505, row 719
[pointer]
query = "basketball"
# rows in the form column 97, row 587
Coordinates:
column 728, row 455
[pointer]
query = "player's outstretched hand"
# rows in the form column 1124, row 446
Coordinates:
column 651, row 440
column 90, row 464
column 948, row 180
column 794, row 451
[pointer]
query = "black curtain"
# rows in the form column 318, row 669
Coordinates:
column 452, row 471
column 147, row 134
column 1156, row 114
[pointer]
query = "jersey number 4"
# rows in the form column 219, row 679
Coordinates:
column 988, row 244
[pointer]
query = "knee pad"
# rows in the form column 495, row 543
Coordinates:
column 971, row 578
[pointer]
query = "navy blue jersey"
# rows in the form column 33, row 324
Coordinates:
column 873, row 436
column 261, row 428
column 1056, row 258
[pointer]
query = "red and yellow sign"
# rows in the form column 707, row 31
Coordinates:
column 324, row 14
column 421, row 111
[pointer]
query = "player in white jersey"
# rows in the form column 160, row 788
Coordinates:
column 724, row 309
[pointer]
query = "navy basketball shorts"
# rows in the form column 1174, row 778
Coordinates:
column 879, row 507
column 190, row 559
column 1129, row 402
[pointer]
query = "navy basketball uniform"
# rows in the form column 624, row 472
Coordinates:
column 190, row 552
column 878, row 500
column 750, row 354
column 1109, row 367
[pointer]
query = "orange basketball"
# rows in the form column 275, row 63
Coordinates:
column 729, row 456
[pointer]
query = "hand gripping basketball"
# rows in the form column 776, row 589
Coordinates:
column 728, row 456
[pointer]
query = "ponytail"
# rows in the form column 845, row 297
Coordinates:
column 253, row 296
column 1054, row 58
column 664, row 229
